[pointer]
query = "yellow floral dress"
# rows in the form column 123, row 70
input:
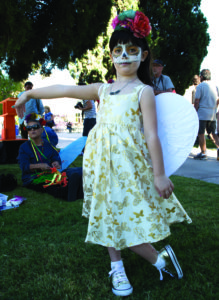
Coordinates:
column 120, row 200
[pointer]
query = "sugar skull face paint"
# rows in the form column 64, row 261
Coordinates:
column 127, row 53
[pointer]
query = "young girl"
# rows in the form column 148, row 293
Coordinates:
column 128, row 201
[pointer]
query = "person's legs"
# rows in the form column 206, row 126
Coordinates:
column 88, row 125
column 120, row 283
column 75, row 187
column 161, row 260
column 115, row 255
column 201, row 140
column 211, row 130
column 146, row 251
column 202, row 143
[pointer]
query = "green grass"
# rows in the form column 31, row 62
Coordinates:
column 209, row 144
column 43, row 254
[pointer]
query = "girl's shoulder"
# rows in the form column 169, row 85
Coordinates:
column 102, row 88
column 146, row 89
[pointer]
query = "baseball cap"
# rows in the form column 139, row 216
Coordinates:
column 158, row 61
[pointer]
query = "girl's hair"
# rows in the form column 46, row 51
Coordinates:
column 48, row 108
column 125, row 36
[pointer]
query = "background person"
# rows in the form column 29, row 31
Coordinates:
column 49, row 118
column 162, row 83
column 206, row 102
column 196, row 81
column 32, row 106
column 89, row 111
column 36, row 156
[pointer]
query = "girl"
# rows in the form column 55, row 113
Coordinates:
column 49, row 117
column 128, row 201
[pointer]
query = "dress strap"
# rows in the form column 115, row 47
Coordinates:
column 101, row 87
column 141, row 91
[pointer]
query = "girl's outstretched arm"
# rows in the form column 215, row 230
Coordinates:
column 88, row 92
column 162, row 183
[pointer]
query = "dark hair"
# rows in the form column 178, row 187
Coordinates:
column 206, row 74
column 47, row 107
column 123, row 37
column 28, row 83
column 34, row 121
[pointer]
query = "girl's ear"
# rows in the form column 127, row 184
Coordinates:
column 111, row 57
column 144, row 55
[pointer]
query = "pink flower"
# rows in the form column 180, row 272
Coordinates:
column 115, row 22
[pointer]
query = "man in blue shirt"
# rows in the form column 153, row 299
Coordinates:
column 32, row 106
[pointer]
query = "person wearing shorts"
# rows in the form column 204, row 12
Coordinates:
column 206, row 102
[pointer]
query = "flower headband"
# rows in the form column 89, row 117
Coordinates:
column 135, row 21
column 34, row 117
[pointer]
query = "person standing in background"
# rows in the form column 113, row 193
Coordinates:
column 196, row 82
column 206, row 102
column 162, row 83
column 33, row 106
column 89, row 110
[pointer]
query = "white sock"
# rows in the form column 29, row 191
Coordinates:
column 160, row 263
column 118, row 263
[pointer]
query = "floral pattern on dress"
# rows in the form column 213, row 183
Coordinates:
column 120, row 200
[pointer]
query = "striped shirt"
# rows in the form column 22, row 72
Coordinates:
column 90, row 113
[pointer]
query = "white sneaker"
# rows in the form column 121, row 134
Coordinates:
column 120, row 282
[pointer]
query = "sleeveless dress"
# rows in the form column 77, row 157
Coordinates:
column 120, row 200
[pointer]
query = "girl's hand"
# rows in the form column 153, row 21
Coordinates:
column 164, row 186
column 20, row 104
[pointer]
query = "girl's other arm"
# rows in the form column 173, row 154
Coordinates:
column 163, row 184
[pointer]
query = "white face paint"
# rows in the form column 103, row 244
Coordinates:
column 126, row 53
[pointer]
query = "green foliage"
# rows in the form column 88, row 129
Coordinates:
column 48, row 33
column 43, row 255
column 8, row 88
column 95, row 65
column 179, row 37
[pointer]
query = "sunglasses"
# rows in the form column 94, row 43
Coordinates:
column 35, row 126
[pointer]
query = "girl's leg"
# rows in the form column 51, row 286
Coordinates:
column 165, row 260
column 120, row 283
column 146, row 251
column 115, row 255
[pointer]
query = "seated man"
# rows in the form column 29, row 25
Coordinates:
column 37, row 156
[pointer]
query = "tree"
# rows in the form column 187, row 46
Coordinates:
column 179, row 38
column 8, row 88
column 48, row 33
column 95, row 65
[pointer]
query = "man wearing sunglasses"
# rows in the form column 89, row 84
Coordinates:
column 37, row 156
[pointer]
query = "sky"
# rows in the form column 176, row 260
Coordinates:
column 209, row 9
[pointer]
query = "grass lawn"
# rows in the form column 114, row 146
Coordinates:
column 43, row 254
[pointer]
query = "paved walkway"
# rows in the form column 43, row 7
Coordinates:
column 206, row 170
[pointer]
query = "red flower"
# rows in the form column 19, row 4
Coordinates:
column 42, row 122
column 140, row 26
